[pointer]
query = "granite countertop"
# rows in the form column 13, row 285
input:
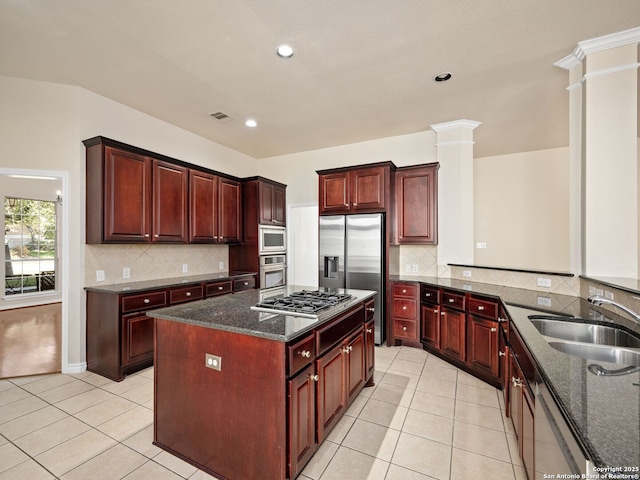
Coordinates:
column 233, row 313
column 133, row 287
column 603, row 411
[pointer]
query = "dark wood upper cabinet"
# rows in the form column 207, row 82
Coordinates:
column 170, row 202
column 416, row 205
column 272, row 204
column 137, row 196
column 359, row 189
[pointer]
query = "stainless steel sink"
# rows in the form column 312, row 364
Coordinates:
column 600, row 353
column 585, row 333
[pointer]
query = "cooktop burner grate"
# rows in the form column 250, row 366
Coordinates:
column 305, row 303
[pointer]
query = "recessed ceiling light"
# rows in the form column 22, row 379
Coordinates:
column 284, row 51
column 442, row 77
column 251, row 123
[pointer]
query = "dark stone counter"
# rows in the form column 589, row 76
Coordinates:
column 602, row 411
column 233, row 313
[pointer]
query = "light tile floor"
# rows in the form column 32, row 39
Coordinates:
column 423, row 419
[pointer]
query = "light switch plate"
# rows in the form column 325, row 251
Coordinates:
column 99, row 275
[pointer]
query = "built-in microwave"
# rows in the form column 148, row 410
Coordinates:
column 273, row 271
column 272, row 239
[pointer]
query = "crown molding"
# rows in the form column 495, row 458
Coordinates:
column 442, row 127
column 599, row 44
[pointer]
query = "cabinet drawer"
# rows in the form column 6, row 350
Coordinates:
column 453, row 300
column 486, row 308
column 405, row 329
column 338, row 329
column 405, row 290
column 405, row 308
column 144, row 301
column 185, row 294
column 246, row 283
column 429, row 294
column 217, row 288
column 301, row 354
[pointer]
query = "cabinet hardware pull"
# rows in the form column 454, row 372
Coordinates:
column 305, row 353
column 188, row 294
column 451, row 300
column 246, row 283
column 215, row 237
column 404, row 308
column 371, row 309
column 156, row 235
column 517, row 382
column 220, row 288
column 441, row 313
column 480, row 308
column 494, row 329
column 314, row 377
column 355, row 204
column 404, row 290
column 146, row 300
column 501, row 354
column 347, row 349
column 427, row 294
column 404, row 329
column 146, row 235
column 435, row 311
column 501, row 320
column 369, row 330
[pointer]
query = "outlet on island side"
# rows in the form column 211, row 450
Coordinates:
column 185, row 268
column 221, row 265
column 126, row 272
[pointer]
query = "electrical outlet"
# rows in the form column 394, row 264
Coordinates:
column 221, row 265
column 544, row 301
column 599, row 292
column 407, row 267
column 185, row 268
column 466, row 273
column 414, row 268
column 126, row 272
column 592, row 290
column 481, row 245
column 608, row 295
column 213, row 361
column 99, row 275
column 544, row 282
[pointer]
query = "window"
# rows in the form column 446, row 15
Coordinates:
column 30, row 249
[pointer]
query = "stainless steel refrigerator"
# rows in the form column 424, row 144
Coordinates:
column 352, row 256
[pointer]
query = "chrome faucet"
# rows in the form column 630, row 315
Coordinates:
column 598, row 300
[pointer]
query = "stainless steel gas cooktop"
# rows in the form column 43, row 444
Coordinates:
column 306, row 303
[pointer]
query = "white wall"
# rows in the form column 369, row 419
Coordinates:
column 42, row 126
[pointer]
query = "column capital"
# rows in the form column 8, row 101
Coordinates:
column 443, row 127
column 599, row 44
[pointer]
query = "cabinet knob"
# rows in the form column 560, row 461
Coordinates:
column 305, row 353
column 517, row 382
column 404, row 329
column 369, row 330
column 441, row 313
column 146, row 235
column 156, row 235
column 371, row 309
column 427, row 294
column 501, row 354
column 215, row 237
column 146, row 300
column 494, row 329
column 480, row 308
column 451, row 300
column 314, row 377
column 246, row 283
column 404, row 308
column 188, row 294
column 501, row 320
column 404, row 290
column 435, row 311
column 220, row 288
column 355, row 204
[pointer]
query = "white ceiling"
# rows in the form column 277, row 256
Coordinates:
column 362, row 69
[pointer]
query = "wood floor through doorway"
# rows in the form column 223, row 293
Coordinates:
column 30, row 340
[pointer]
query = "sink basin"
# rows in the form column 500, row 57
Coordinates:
column 599, row 353
column 585, row 332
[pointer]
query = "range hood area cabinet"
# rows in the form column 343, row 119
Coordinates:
column 137, row 196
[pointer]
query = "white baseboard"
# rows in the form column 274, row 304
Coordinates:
column 76, row 368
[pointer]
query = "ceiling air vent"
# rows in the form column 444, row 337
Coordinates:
column 221, row 117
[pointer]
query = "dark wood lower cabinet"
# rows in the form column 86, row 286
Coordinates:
column 137, row 338
column 482, row 345
column 430, row 328
column 332, row 396
column 301, row 391
column 453, row 333
column 521, row 409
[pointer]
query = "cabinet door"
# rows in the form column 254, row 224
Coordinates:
column 416, row 206
column 430, row 333
column 334, row 193
column 527, row 450
column 272, row 204
column 356, row 365
column 482, row 347
column 170, row 186
column 453, row 333
column 370, row 348
column 367, row 188
column 230, row 223
column 127, row 197
column 503, row 366
column 137, row 338
column 203, row 207
column 279, row 206
column 301, row 391
column 331, row 394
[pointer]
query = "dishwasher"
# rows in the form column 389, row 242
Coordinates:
column 556, row 449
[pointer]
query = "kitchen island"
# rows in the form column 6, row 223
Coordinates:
column 245, row 394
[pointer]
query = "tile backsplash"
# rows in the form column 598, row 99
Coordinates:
column 149, row 262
